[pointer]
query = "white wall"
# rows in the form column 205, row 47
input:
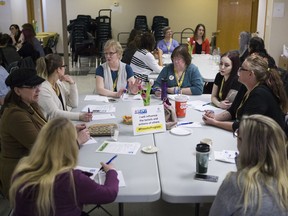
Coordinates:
column 9, row 14
column 276, row 30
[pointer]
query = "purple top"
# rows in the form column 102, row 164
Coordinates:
column 87, row 192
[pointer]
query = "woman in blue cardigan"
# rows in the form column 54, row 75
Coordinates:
column 182, row 76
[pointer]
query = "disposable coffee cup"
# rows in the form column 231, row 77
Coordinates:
column 202, row 158
column 180, row 106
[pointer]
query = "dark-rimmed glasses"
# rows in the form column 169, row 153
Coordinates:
column 242, row 69
column 30, row 87
column 63, row 66
column 109, row 53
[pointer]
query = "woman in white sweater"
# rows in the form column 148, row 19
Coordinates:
column 55, row 95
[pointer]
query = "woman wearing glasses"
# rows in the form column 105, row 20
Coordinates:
column 167, row 44
column 54, row 96
column 20, row 122
column 114, row 77
column 265, row 95
column 259, row 186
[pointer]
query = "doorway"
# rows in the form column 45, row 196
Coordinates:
column 235, row 16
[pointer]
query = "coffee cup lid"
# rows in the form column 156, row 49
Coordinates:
column 181, row 98
column 203, row 147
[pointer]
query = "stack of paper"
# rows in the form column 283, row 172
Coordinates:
column 119, row 147
column 202, row 105
column 225, row 156
column 96, row 98
column 100, row 108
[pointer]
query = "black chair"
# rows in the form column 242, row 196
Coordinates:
column 141, row 23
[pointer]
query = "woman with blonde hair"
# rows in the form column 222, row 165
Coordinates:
column 46, row 183
column 54, row 95
column 265, row 95
column 260, row 185
column 114, row 77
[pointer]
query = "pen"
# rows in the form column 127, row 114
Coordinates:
column 108, row 162
column 206, row 104
column 184, row 123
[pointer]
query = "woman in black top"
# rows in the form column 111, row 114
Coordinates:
column 265, row 95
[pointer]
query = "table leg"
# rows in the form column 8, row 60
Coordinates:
column 197, row 209
column 121, row 209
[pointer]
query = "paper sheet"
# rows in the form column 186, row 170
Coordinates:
column 225, row 156
column 96, row 98
column 127, row 97
column 202, row 106
column 119, row 147
column 90, row 141
column 109, row 108
column 103, row 116
column 100, row 177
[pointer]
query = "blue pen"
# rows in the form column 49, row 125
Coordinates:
column 184, row 123
column 109, row 162
column 206, row 104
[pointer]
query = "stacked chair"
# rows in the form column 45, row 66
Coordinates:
column 159, row 22
column 103, row 31
column 80, row 43
column 141, row 23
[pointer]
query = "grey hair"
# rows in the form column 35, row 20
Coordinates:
column 244, row 42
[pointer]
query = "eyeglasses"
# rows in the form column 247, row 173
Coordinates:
column 109, row 53
column 242, row 69
column 64, row 66
column 30, row 87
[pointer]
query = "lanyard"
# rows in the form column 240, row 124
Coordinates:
column 221, row 88
column 179, row 80
column 168, row 45
column 115, row 83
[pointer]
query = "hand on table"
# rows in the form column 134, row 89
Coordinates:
column 83, row 136
column 209, row 118
column 225, row 104
column 86, row 117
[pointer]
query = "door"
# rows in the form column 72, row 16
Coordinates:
column 235, row 16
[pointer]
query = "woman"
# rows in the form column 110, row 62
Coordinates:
column 182, row 76
column 244, row 38
column 113, row 77
column 168, row 44
column 259, row 187
column 44, row 186
column 31, row 45
column 143, row 62
column 54, row 96
column 202, row 45
column 15, row 34
column 132, row 45
column 265, row 95
column 20, row 122
column 226, row 83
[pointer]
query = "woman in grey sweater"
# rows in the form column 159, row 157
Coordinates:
column 260, row 186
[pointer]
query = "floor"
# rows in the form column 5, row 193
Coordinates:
column 85, row 79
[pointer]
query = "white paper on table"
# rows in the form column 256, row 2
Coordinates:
column 119, row 147
column 101, row 177
column 109, row 108
column 90, row 141
column 131, row 97
column 225, row 156
column 103, row 116
column 202, row 106
column 96, row 98
column 189, row 125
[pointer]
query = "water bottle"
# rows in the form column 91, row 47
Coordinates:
column 163, row 88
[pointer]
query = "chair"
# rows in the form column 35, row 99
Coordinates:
column 141, row 23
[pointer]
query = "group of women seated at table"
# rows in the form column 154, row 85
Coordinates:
column 34, row 99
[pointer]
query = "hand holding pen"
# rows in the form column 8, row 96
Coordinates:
column 86, row 117
column 107, row 166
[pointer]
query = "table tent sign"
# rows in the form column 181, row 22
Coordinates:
column 148, row 119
